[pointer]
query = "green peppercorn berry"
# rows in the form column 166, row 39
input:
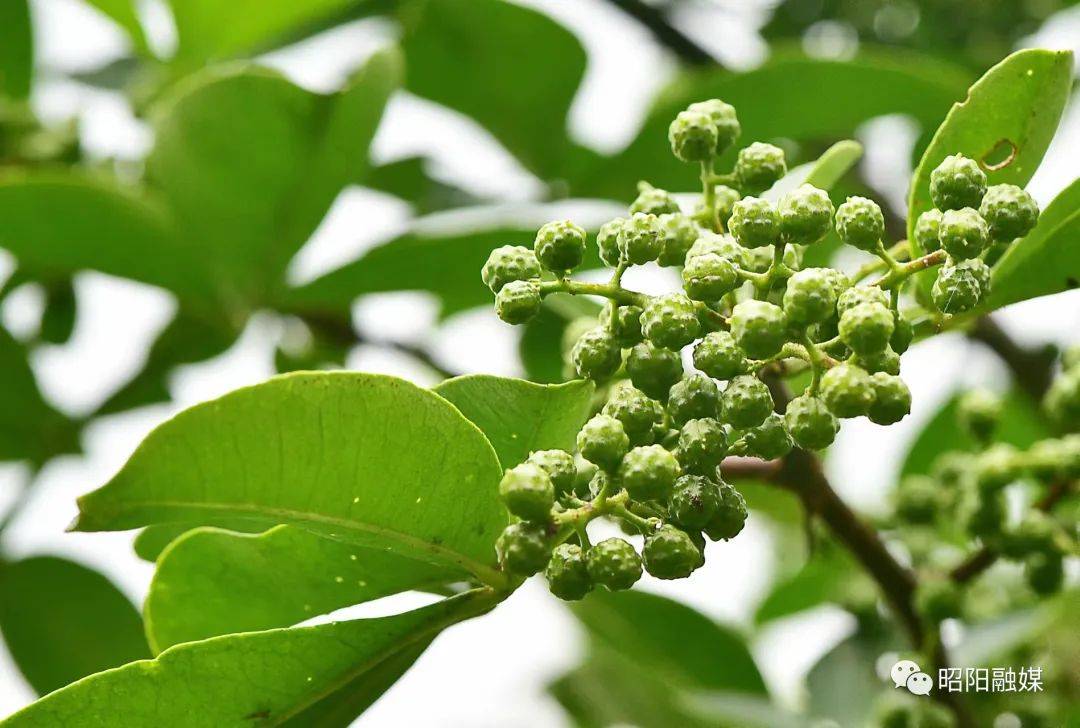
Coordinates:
column 670, row 321
column 523, row 548
column 560, row 246
column 726, row 197
column 892, row 399
column 607, row 239
column 518, row 302
column 1033, row 534
column 951, row 467
column 759, row 328
column 723, row 118
column 963, row 233
column 867, row 328
column 1045, row 572
column 625, row 325
column 758, row 166
column 639, row 238
column 997, row 467
column 853, row 296
column 559, row 466
column 693, row 398
column 747, row 401
column 810, row 296
column 938, row 599
column 979, row 413
column 653, row 201
column 846, row 390
column 887, row 361
column 1048, row 459
column 527, row 492
column 957, row 182
column 693, row 136
column 719, row 356
column 603, row 441
column 754, row 222
column 567, row 573
column 669, row 553
column 654, row 370
column 723, row 245
column 701, row 446
column 810, row 423
column 583, row 476
column 918, row 500
column 730, row 516
column 979, row 270
column 648, row 472
column 984, row 515
column 709, row 277
column 903, row 333
column 926, row 231
column 769, row 440
column 694, row 501
column 806, row 215
column 677, row 233
column 614, row 563
column 637, row 412
column 1062, row 400
column 1009, row 211
column 860, row 224
column 596, row 355
column 509, row 263
column 956, row 289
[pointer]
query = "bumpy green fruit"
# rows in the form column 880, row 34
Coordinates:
column 859, row 223
column 607, row 239
column 979, row 412
column 963, row 233
column 654, row 202
column 918, row 499
column 903, row 334
column 523, row 548
column 1045, row 572
column 892, row 399
column 956, row 289
column 887, row 361
column 694, row 501
column 507, row 264
column 654, row 370
column 847, row 391
column 559, row 466
column 938, row 599
column 639, row 238
column 810, row 297
column 670, row 553
column 957, row 182
column 758, row 166
column 625, row 325
column 614, row 563
column 567, row 573
column 670, row 321
column 648, row 472
column 979, row 270
column 759, row 328
column 693, row 136
column 1033, row 534
column 527, row 492
column 603, row 441
column 709, row 277
column 583, row 478
column 769, row 440
column 810, row 423
column 723, row 245
column 867, row 328
column 560, row 246
column 596, row 355
column 723, row 118
column 855, row 295
column 702, row 445
column 518, row 302
column 719, row 356
column 637, row 412
column 984, row 515
column 726, row 197
column 805, row 215
column 693, row 398
column 997, row 467
column 926, row 230
column 730, row 516
column 1062, row 401
column 754, row 222
column 747, row 401
column 677, row 233
column 1009, row 211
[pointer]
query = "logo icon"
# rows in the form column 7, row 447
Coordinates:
column 907, row 674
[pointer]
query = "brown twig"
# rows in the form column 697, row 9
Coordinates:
column 667, row 34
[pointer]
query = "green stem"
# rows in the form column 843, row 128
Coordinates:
column 904, row 271
column 816, row 359
column 708, row 194
column 614, row 292
column 643, row 524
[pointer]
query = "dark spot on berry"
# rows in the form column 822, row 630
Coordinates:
column 1001, row 155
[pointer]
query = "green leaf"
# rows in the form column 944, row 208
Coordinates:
column 151, row 541
column 517, row 78
column 408, row 179
column 520, row 417
column 30, row 429
column 123, row 12
column 363, row 458
column 249, row 679
column 16, row 49
column 1010, row 114
column 821, row 579
column 541, row 343
column 1047, row 261
column 823, row 172
column 844, row 684
column 63, row 621
column 211, row 582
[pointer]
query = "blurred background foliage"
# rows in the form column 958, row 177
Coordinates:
column 245, row 165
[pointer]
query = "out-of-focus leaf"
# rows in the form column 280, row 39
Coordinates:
column 820, row 580
column 123, row 12
column 63, row 621
column 1006, row 123
column 30, row 429
column 844, row 684
column 211, row 582
column 780, row 505
column 247, row 679
column 823, row 172
column 541, row 343
column 408, row 179
column 1047, row 260
column 363, row 458
column 984, row 642
column 58, row 319
column 16, row 49
column 512, row 69
column 520, row 417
